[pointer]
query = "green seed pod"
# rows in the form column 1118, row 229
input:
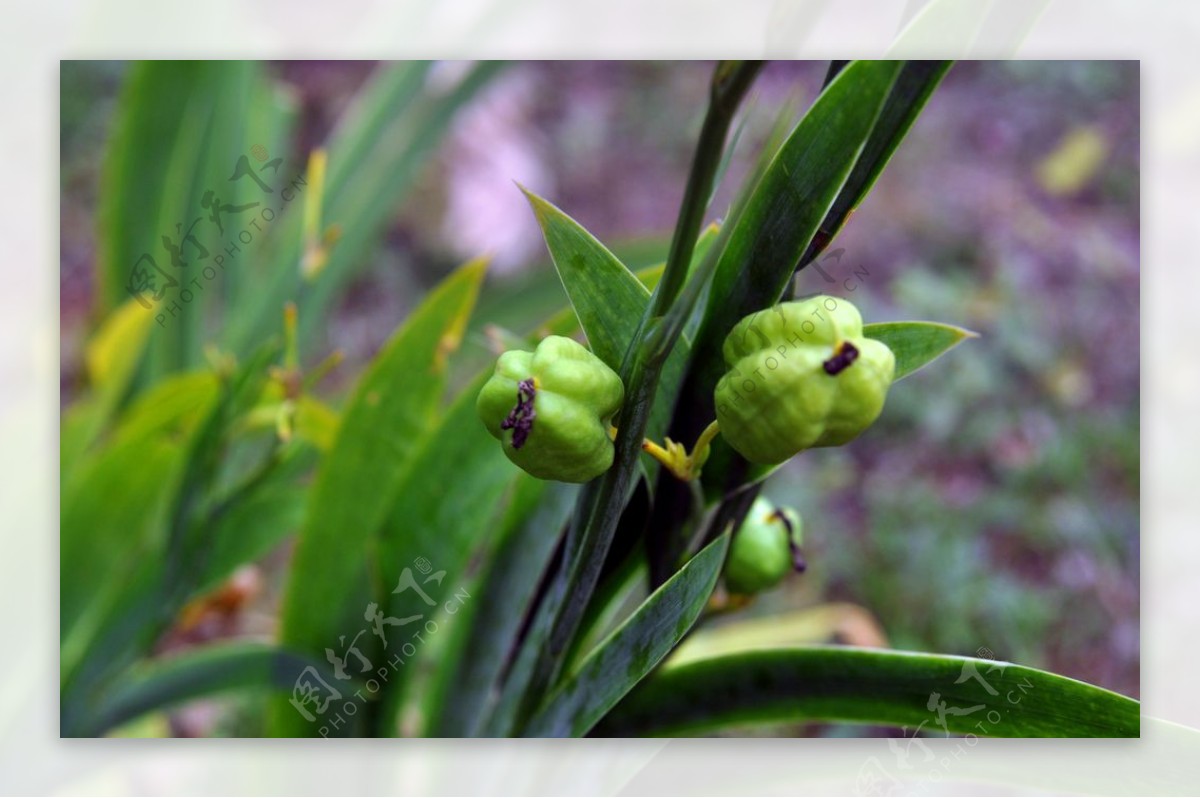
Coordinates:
column 551, row 409
column 801, row 375
column 765, row 547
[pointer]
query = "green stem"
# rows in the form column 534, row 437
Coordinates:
column 730, row 82
column 700, row 450
column 601, row 504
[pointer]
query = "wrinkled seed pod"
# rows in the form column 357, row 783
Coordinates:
column 551, row 409
column 801, row 374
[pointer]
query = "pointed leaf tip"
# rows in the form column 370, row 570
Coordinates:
column 917, row 343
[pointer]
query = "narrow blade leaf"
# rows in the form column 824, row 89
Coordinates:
column 533, row 526
column 375, row 157
column 788, row 204
column 772, row 226
column 887, row 688
column 912, row 90
column 608, row 299
column 382, row 427
column 122, row 626
column 633, row 649
column 445, row 509
column 194, row 674
column 181, row 127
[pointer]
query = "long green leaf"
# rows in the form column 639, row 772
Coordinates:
column 908, row 96
column 382, row 427
column 520, row 302
column 115, row 500
column 532, row 529
column 271, row 120
column 917, row 343
column 170, row 407
column 162, row 684
column 150, row 114
column 250, row 529
column 617, row 595
column 187, row 549
column 375, row 157
column 609, row 300
column 387, row 96
column 113, row 511
column 888, row 688
column 182, row 127
column 444, row 512
column 590, row 274
column 632, row 651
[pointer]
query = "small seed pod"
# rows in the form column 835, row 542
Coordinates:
column 801, row 375
column 551, row 409
column 765, row 547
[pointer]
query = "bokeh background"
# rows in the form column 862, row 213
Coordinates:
column 995, row 505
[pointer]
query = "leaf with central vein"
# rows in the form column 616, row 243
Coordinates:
column 586, row 268
column 609, row 300
column 889, row 688
column 632, row 651
column 777, row 214
column 114, row 498
column 385, row 421
column 600, row 506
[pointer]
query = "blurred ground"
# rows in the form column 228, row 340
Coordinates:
column 995, row 506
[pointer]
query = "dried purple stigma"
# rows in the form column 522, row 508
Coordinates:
column 520, row 419
column 799, row 564
column 845, row 354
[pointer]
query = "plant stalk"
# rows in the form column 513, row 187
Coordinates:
column 602, row 501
